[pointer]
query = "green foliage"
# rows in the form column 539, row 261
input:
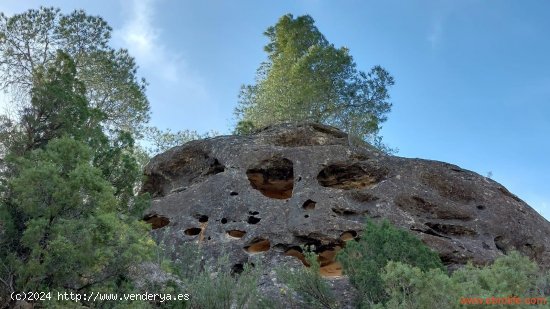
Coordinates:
column 410, row 287
column 30, row 40
column 379, row 244
column 308, row 79
column 161, row 141
column 73, row 236
column 244, row 127
column 65, row 192
column 58, row 107
column 308, row 284
column 508, row 276
column 214, row 285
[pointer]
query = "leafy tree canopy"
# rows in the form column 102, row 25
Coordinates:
column 30, row 40
column 73, row 237
column 65, row 188
column 308, row 79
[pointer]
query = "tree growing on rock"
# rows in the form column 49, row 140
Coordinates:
column 306, row 78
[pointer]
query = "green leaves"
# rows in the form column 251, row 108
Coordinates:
column 30, row 41
column 308, row 79
column 379, row 244
column 73, row 236
column 509, row 276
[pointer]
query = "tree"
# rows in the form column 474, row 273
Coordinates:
column 64, row 184
column 380, row 243
column 73, row 238
column 308, row 79
column 30, row 40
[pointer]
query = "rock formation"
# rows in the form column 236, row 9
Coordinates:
column 288, row 185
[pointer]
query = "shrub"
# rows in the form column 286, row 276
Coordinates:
column 512, row 275
column 308, row 284
column 214, row 286
column 380, row 243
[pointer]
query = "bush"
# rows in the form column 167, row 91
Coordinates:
column 380, row 243
column 308, row 283
column 512, row 275
column 214, row 286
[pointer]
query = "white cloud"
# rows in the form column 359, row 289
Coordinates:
column 142, row 38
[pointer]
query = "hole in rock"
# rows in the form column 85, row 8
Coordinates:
column 156, row 221
column 280, row 247
column 203, row 219
column 309, row 205
column 192, row 231
column 344, row 211
column 350, row 176
column 297, row 253
column 309, row 243
column 503, row 244
column 306, row 216
column 327, row 260
column 349, row 235
column 253, row 220
column 327, row 256
column 254, row 213
column 233, row 193
column 215, row 168
column 333, row 269
column 237, row 269
column 257, row 245
column 480, row 207
column 274, row 178
column 224, row 221
column 236, row 233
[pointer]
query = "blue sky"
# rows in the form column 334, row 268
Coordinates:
column 472, row 77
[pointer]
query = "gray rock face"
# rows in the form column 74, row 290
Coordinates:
column 291, row 185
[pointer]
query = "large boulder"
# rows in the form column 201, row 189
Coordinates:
column 270, row 193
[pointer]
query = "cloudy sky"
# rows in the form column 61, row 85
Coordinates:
column 472, row 77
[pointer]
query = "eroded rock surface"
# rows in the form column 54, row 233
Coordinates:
column 288, row 186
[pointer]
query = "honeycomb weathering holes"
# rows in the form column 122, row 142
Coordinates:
column 156, row 221
column 192, row 231
column 253, row 220
column 350, row 176
column 258, row 245
column 349, row 235
column 309, row 205
column 274, row 178
column 236, row 233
